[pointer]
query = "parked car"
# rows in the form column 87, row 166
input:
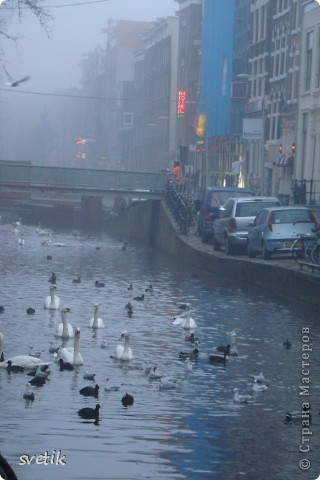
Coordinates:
column 210, row 204
column 275, row 229
column 231, row 229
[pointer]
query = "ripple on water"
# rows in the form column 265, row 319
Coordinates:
column 194, row 431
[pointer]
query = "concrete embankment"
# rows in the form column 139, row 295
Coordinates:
column 151, row 222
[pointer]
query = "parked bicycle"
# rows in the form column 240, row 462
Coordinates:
column 192, row 217
column 183, row 209
column 194, row 223
column 307, row 247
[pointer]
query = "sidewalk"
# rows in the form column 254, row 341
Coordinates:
column 281, row 260
column 280, row 275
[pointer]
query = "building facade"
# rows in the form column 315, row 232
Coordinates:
column 123, row 39
column 155, row 87
column 306, row 188
column 189, row 63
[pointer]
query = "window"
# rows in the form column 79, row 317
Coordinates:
column 228, row 208
column 291, row 216
column 309, row 47
column 260, row 218
column 127, row 119
column 251, row 209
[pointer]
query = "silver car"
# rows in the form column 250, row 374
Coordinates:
column 275, row 229
column 231, row 229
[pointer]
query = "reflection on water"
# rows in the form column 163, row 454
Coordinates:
column 193, row 431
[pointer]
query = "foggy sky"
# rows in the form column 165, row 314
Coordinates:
column 75, row 30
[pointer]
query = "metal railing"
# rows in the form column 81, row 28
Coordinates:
column 179, row 204
column 305, row 192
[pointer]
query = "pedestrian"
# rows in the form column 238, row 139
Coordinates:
column 178, row 173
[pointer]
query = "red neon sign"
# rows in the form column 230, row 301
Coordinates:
column 181, row 103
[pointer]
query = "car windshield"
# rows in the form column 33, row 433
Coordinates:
column 291, row 216
column 251, row 209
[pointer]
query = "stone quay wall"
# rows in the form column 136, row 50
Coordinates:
column 151, row 222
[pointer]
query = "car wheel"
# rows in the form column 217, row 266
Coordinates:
column 229, row 248
column 251, row 253
column 265, row 252
column 216, row 244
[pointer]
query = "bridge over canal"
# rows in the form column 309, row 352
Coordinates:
column 25, row 186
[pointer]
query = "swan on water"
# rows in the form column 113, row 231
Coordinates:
column 96, row 321
column 64, row 329
column 72, row 355
column 50, row 243
column 52, row 301
column 123, row 352
column 26, row 361
column 186, row 322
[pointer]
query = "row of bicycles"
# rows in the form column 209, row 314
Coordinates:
column 182, row 208
column 307, row 247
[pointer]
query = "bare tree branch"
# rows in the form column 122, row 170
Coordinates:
column 34, row 7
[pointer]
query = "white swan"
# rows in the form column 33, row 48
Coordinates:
column 71, row 354
column 64, row 329
column 25, row 361
column 50, row 243
column 96, row 321
column 187, row 322
column 52, row 301
column 124, row 352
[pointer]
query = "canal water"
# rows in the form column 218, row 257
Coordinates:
column 195, row 431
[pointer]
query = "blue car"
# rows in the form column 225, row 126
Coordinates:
column 275, row 229
column 209, row 209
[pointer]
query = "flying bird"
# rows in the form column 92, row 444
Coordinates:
column 14, row 83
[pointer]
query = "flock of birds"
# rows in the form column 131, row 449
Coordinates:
column 69, row 357
column 65, row 356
